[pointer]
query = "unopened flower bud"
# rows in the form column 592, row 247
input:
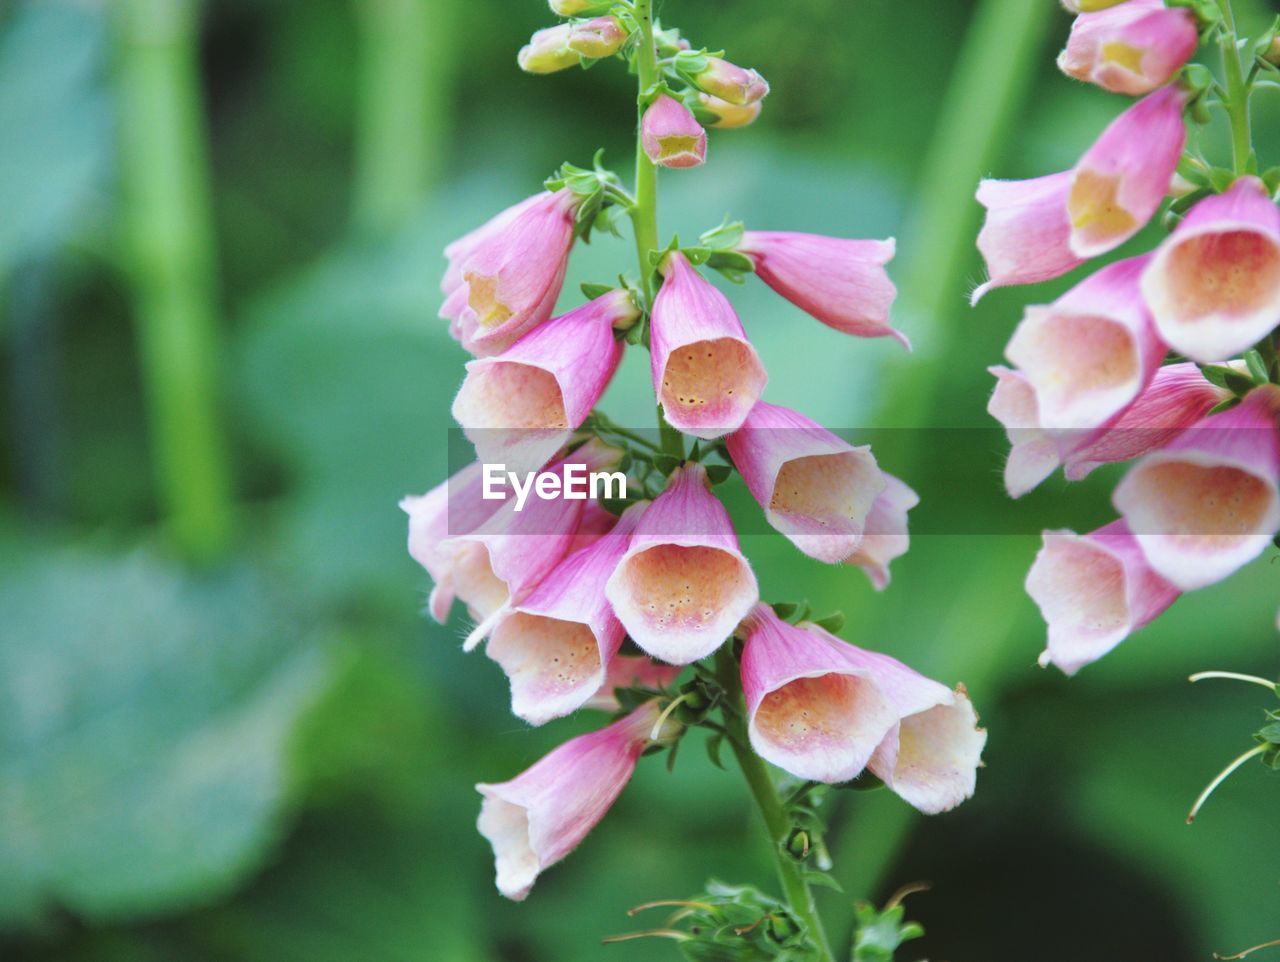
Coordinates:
column 728, row 81
column 671, row 136
column 1090, row 6
column 577, row 8
column 1272, row 56
column 728, row 115
column 548, row 51
column 601, row 37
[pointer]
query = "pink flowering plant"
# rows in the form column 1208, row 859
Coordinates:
column 1167, row 358
column 639, row 602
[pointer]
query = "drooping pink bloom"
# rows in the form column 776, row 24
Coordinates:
column 631, row 671
column 514, row 275
column 815, row 488
column 671, row 135
column 728, row 116
column 1026, row 236
column 455, row 506
column 1207, row 503
column 522, row 406
column 540, row 816
column 548, row 51
column 1214, row 284
column 1090, row 353
column 1177, row 397
column 597, row 37
column 1094, row 591
column 729, row 82
column 886, row 537
column 706, row 374
column 557, row 644
column 840, row 282
column 683, row 585
column 1118, row 185
column 824, row 709
column 499, row 563
column 812, row 709
column 1130, row 49
column 459, row 250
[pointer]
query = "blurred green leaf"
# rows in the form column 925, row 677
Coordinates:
column 144, row 721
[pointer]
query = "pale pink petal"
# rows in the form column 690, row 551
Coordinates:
column 1034, row 454
column 1026, row 236
column 671, row 136
column 1130, row 49
column 886, row 536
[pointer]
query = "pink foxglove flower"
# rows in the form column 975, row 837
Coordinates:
column 1207, row 503
column 556, row 646
column 459, row 250
column 1027, row 234
column 886, row 537
column 631, row 671
column 683, row 584
column 540, row 816
column 1118, row 185
column 1130, row 49
column 728, row 81
column 1094, row 591
column 1177, row 397
column 671, row 135
column 813, row 710
column 455, row 506
column 514, row 275
column 840, row 282
column 1091, row 352
column 727, row 115
column 499, row 563
column 548, row 51
column 522, row 406
column 706, row 374
column 1214, row 285
column 814, row 487
column 598, row 37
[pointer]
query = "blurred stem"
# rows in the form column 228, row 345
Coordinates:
column 170, row 235
column 401, row 108
column 794, row 886
column 1237, row 104
column 644, row 215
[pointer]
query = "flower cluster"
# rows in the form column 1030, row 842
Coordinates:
column 1166, row 358
column 610, row 603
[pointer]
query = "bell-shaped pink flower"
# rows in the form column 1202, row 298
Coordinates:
column 1094, row 591
column 520, row 407
column 823, row 709
column 1130, row 49
column 706, row 374
column 812, row 709
column 1091, row 352
column 1033, row 453
column 840, row 282
column 683, row 585
column 1214, row 284
column 540, row 816
column 455, row 506
column 459, row 250
column 1118, row 185
column 814, row 487
column 499, row 563
column 548, row 51
column 886, row 536
column 514, row 275
column 1207, row 503
column 631, row 671
column 557, row 644
column 1026, row 237
column 597, row 37
column 729, row 82
column 671, row 135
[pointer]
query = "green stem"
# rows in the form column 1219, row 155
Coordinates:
column 1237, row 100
column 795, row 888
column 644, row 214
column 170, row 242
column 402, row 108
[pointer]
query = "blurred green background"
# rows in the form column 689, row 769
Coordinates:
column 226, row 730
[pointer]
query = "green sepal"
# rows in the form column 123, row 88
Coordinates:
column 713, row 749
column 879, row 935
column 785, row 609
column 1224, row 405
column 1221, row 179
column 1228, row 378
column 726, row 237
column 732, row 265
column 718, row 473
column 832, row 622
column 666, row 463
column 1272, row 179
column 591, row 291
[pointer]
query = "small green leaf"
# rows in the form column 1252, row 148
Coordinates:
column 591, row 291
column 785, row 609
column 718, row 473
column 666, row 463
column 713, row 750
column 832, row 622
